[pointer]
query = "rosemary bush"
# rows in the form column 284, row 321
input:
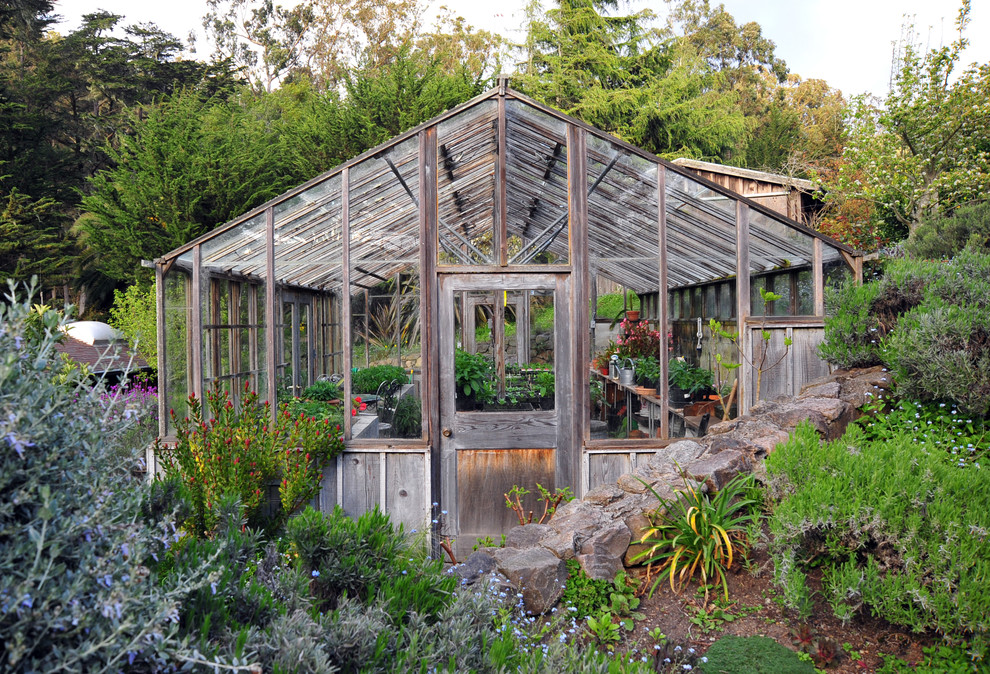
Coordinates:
column 898, row 525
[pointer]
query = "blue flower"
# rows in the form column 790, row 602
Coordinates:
column 315, row 574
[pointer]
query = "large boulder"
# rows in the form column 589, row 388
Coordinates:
column 538, row 576
column 601, row 555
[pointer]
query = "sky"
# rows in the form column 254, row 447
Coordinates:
column 848, row 43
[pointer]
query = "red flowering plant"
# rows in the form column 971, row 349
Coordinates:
column 238, row 450
column 637, row 339
column 358, row 406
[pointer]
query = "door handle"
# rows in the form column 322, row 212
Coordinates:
column 446, row 432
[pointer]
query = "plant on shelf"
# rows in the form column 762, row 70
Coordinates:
column 474, row 376
column 761, row 362
column 686, row 380
column 648, row 372
column 638, row 340
column 408, row 419
column 603, row 357
column 697, row 532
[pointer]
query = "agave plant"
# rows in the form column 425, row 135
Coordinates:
column 695, row 533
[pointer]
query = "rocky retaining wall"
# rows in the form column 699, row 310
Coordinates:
column 601, row 530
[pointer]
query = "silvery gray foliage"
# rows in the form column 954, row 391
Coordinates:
column 76, row 591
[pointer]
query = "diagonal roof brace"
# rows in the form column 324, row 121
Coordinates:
column 535, row 247
column 453, row 250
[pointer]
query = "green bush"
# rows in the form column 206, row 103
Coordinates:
column 752, row 655
column 135, row 313
column 899, row 529
column 367, row 380
column 75, row 590
column 853, row 335
column 941, row 237
column 323, row 391
column 408, row 420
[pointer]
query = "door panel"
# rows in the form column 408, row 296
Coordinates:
column 518, row 324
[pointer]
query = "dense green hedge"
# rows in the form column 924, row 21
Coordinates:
column 896, row 515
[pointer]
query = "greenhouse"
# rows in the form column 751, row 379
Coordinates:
column 469, row 281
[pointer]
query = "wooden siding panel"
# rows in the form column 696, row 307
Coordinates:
column 484, row 475
column 607, row 468
column 361, row 483
column 407, row 497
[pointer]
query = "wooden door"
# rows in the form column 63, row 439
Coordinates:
column 511, row 436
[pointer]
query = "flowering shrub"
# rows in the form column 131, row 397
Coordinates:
column 637, row 339
column 238, row 450
column 133, row 416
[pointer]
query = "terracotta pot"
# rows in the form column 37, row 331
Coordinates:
column 632, row 315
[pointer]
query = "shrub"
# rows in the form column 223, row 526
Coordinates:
column 75, row 589
column 239, row 451
column 941, row 237
column 853, row 336
column 408, row 420
column 323, row 391
column 752, row 655
column 367, row 380
column 892, row 522
column 135, row 313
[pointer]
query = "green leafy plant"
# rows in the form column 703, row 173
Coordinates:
column 239, row 450
column 324, row 391
column 604, row 631
column 694, row 533
column 687, row 377
column 604, row 356
column 408, row 418
column 134, row 313
column 513, row 501
column 648, row 371
column 893, row 503
column 474, row 375
column 367, row 380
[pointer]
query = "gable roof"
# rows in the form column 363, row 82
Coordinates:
column 383, row 212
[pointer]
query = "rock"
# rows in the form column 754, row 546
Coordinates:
column 601, row 555
column 560, row 544
column 823, row 413
column 718, row 470
column 638, row 525
column 678, row 453
column 579, row 518
column 603, row 494
column 527, row 536
column 720, row 443
column 817, row 389
column 474, row 567
column 535, row 573
column 630, row 483
column 635, row 503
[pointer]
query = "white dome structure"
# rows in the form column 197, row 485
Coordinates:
column 93, row 332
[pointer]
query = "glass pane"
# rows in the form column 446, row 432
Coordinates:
column 701, row 232
column 536, row 179
column 286, row 373
column 806, row 293
column 466, row 150
column 240, row 249
column 775, row 245
column 304, row 346
column 178, row 309
column 308, row 235
column 386, row 342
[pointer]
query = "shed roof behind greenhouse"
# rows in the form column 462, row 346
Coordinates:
column 381, row 206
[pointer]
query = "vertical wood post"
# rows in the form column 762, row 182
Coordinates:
column 163, row 394
column 745, row 375
column 662, row 304
column 429, row 320
column 197, row 323
column 270, row 306
column 568, row 454
column 345, row 297
column 818, row 278
column 501, row 205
